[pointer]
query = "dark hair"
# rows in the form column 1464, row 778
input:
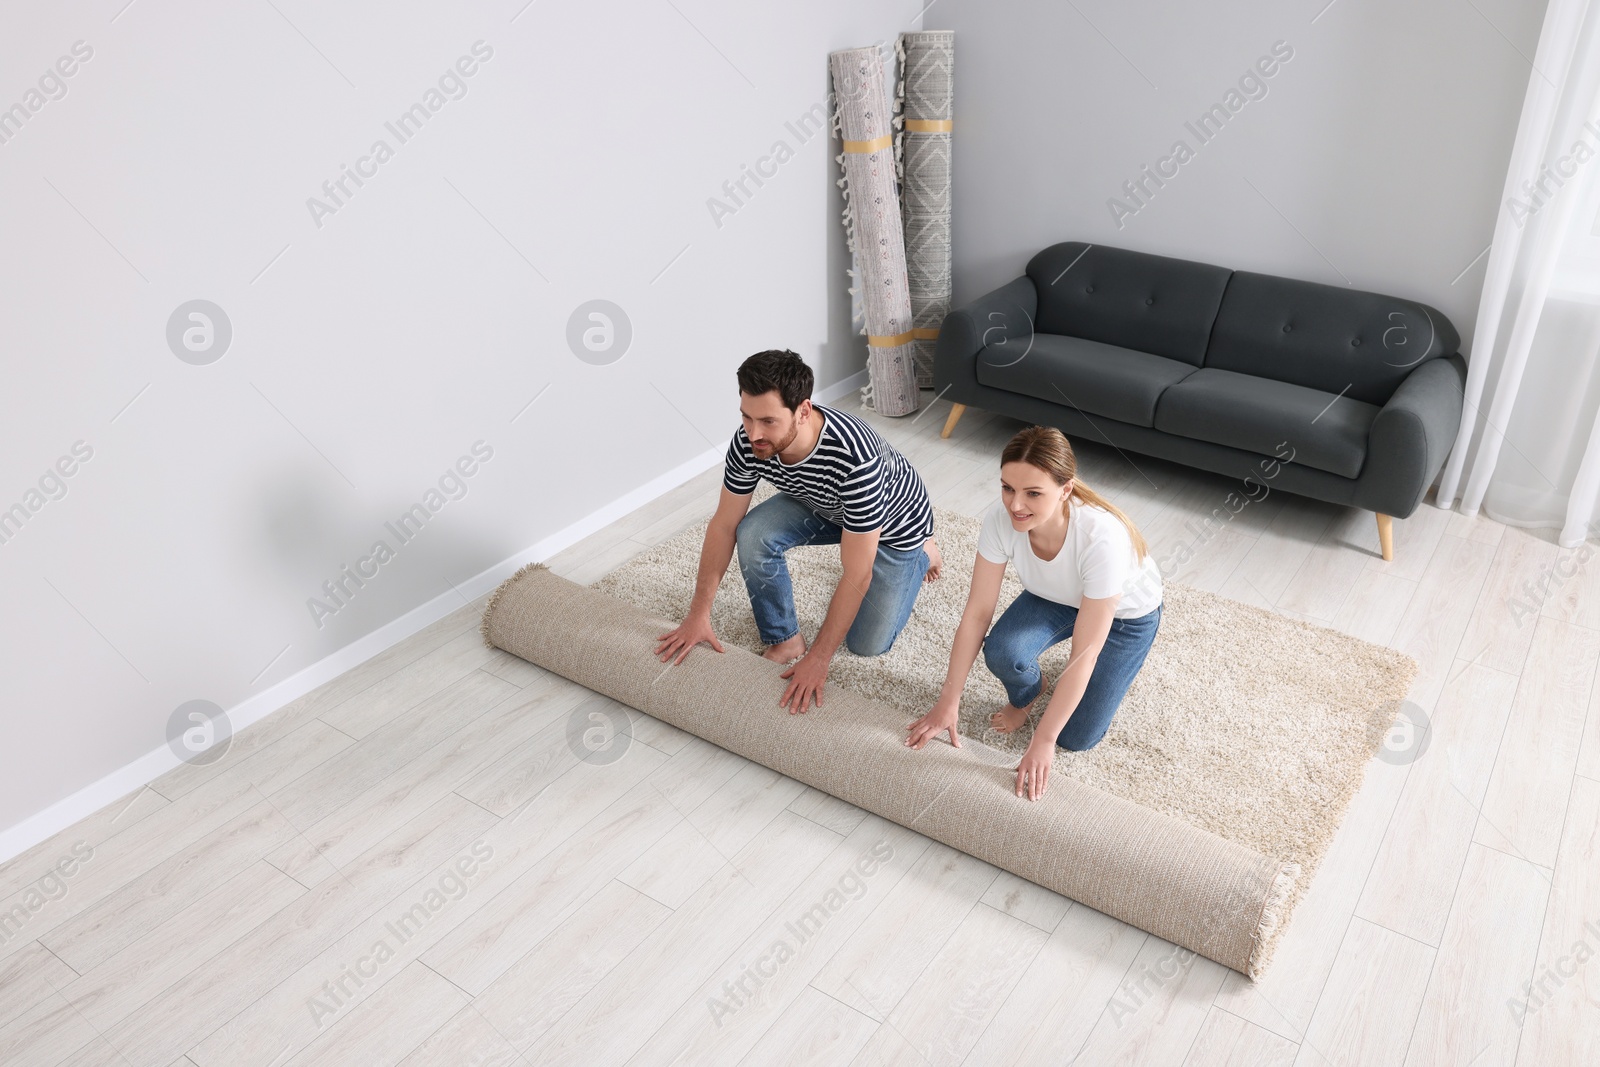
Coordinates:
column 778, row 369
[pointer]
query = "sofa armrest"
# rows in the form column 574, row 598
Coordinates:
column 1008, row 313
column 1411, row 437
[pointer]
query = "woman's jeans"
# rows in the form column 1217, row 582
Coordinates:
column 1032, row 624
column 782, row 522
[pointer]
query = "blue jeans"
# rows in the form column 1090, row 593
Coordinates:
column 1032, row 624
column 781, row 522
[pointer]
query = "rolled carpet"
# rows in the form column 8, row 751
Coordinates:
column 1209, row 895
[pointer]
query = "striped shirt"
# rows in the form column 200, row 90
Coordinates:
column 853, row 478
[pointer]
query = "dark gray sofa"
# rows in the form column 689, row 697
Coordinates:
column 1357, row 394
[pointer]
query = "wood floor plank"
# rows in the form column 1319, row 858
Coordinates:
column 963, row 987
column 48, row 1033
column 1416, row 539
column 1277, row 554
column 394, row 695
column 389, row 1026
column 826, row 810
column 121, row 814
column 1438, row 615
column 767, row 971
column 906, row 931
column 467, row 1040
column 530, row 763
column 1158, row 1009
column 618, row 1017
column 124, row 983
column 1022, row 899
column 1521, row 813
column 1049, row 1015
column 330, row 787
column 1376, row 604
column 261, row 735
column 1284, row 999
column 403, row 928
column 814, row 1031
column 532, row 995
column 122, row 917
column 102, row 870
column 1226, row 1040
column 1488, row 950
column 1503, row 622
column 234, row 980
column 1371, row 1000
column 29, row 977
column 408, row 790
column 502, row 929
column 1559, row 1015
column 1319, row 588
column 1414, row 878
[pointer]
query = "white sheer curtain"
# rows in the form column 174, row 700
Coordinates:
column 1528, row 452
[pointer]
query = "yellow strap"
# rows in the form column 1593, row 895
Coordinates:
column 874, row 145
column 928, row 125
column 890, row 342
column 926, row 333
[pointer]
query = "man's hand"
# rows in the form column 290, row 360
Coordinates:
column 691, row 632
column 935, row 559
column 806, row 676
column 1033, row 773
column 943, row 717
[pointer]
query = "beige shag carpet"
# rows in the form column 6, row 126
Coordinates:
column 1243, row 722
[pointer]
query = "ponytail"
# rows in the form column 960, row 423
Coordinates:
column 1086, row 495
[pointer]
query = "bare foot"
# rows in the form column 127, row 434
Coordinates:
column 935, row 560
column 788, row 650
column 1008, row 718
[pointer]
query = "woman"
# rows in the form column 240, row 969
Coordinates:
column 1085, row 572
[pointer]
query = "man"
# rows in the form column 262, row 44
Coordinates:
column 839, row 484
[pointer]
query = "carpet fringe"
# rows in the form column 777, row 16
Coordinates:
column 1272, row 917
column 494, row 598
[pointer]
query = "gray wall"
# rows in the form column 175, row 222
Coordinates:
column 371, row 347
column 1374, row 157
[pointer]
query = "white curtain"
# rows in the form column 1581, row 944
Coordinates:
column 1528, row 452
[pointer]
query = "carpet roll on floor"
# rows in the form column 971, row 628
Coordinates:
column 1209, row 895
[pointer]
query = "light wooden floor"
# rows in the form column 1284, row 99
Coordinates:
column 410, row 865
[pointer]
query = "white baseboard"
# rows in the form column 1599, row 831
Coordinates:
column 147, row 768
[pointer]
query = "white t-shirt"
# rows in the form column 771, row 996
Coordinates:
column 1096, row 561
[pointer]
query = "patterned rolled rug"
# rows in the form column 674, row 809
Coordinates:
column 873, row 228
column 1200, row 817
column 926, row 103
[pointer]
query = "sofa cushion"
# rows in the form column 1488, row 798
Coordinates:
column 1325, row 337
column 1132, row 299
column 1326, row 431
column 1097, row 379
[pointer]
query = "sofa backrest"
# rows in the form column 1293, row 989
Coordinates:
column 1326, row 337
column 1136, row 300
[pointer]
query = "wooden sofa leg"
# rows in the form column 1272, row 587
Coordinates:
column 955, row 417
column 1386, row 536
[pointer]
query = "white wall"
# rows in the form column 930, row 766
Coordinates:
column 1375, row 158
column 371, row 351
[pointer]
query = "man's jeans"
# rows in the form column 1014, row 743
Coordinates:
column 780, row 523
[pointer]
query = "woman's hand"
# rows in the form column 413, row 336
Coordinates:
column 935, row 559
column 943, row 717
column 1033, row 773
column 693, row 630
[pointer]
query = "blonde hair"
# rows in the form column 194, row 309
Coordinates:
column 1048, row 449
